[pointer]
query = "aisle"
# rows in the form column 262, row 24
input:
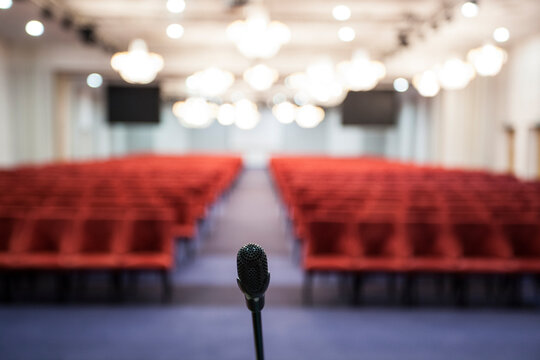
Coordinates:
column 250, row 213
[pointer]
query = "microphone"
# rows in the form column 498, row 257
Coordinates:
column 253, row 279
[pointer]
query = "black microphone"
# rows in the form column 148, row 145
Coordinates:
column 253, row 280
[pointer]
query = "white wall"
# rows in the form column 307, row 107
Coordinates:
column 523, row 94
column 6, row 157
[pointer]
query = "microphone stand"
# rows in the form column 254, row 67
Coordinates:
column 256, row 305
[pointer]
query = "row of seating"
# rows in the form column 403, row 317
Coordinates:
column 361, row 216
column 85, row 220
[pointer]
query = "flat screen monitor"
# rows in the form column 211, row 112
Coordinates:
column 133, row 104
column 376, row 107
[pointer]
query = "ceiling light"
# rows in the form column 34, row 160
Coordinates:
column 487, row 60
column 260, row 77
column 284, row 112
column 195, row 112
column 346, row 34
column 501, row 34
column 247, row 114
column 309, row 116
column 361, row 73
column 5, row 4
column 320, row 84
column 257, row 36
column 427, row 83
column 137, row 65
column 175, row 31
column 401, row 84
column 341, row 12
column 94, row 80
column 176, row 6
column 34, row 28
column 211, row 82
column 470, row 9
column 455, row 74
column 226, row 114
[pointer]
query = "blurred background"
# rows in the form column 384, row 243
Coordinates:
column 385, row 154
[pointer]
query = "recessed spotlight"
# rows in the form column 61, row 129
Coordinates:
column 5, row 4
column 501, row 34
column 34, row 28
column 341, row 12
column 346, row 34
column 470, row 9
column 401, row 85
column 94, row 80
column 175, row 31
column 176, row 6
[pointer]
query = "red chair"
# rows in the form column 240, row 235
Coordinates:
column 482, row 249
column 429, row 247
column 43, row 241
column 524, row 240
column 10, row 228
column 96, row 244
column 148, row 245
column 327, row 249
column 379, row 246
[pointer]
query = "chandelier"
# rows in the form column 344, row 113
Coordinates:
column 361, row 73
column 137, row 65
column 257, row 36
column 210, row 82
column 487, row 60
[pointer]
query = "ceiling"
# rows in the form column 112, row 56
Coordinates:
column 314, row 31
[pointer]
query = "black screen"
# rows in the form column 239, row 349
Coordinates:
column 379, row 107
column 133, row 104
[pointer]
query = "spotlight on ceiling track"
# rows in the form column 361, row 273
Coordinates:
column 403, row 39
column 47, row 13
column 66, row 22
column 5, row 4
column 87, row 34
column 237, row 3
column 470, row 9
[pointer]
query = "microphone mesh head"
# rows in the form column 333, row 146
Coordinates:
column 252, row 267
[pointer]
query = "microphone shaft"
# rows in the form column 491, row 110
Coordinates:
column 257, row 334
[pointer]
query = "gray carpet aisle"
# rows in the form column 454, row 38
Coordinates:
column 208, row 319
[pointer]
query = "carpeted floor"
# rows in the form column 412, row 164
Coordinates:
column 208, row 319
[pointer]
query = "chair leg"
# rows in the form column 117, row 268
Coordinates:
column 358, row 289
column 391, row 287
column 513, row 291
column 307, row 288
column 167, row 286
column 117, row 286
column 460, row 288
column 62, row 286
column 5, row 286
column 408, row 297
column 440, row 287
column 490, row 289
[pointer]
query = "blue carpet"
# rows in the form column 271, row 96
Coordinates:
column 133, row 333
